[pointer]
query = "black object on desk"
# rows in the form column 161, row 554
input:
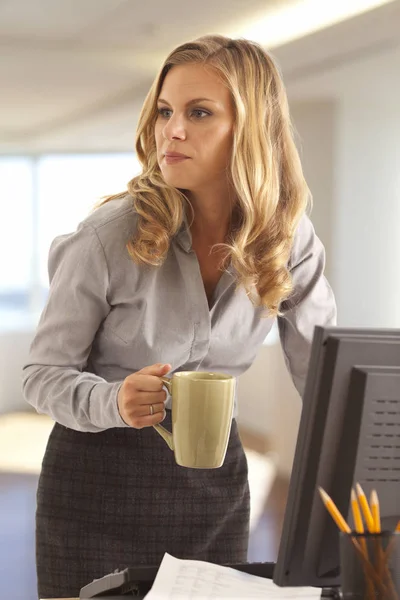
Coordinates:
column 136, row 582
column 349, row 432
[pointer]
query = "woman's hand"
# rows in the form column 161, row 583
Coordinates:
column 141, row 397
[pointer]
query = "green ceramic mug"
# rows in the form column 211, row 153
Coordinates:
column 202, row 409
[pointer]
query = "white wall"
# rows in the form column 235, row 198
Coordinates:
column 316, row 126
column 367, row 234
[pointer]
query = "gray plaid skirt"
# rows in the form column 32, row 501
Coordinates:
column 116, row 499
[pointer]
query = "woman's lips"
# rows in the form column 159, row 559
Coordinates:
column 172, row 158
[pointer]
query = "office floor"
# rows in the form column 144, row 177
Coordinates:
column 22, row 442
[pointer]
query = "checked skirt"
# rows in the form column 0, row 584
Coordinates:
column 117, row 499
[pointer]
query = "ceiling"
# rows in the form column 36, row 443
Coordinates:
column 74, row 73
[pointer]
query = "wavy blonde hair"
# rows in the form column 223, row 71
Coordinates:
column 265, row 171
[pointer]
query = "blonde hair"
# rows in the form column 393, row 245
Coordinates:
column 265, row 171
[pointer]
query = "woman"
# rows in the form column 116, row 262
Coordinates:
column 186, row 271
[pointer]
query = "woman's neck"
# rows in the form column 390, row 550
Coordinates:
column 212, row 217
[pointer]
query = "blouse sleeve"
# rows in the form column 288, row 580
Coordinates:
column 311, row 303
column 54, row 379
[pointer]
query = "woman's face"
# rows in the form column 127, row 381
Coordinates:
column 194, row 128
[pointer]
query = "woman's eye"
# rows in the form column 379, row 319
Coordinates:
column 199, row 113
column 164, row 112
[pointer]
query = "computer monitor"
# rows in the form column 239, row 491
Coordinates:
column 349, row 432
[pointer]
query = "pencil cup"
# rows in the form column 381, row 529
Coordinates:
column 370, row 566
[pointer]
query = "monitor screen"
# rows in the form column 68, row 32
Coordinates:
column 349, row 432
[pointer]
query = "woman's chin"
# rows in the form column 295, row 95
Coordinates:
column 176, row 181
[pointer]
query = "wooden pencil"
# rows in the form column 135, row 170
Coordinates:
column 369, row 520
column 334, row 511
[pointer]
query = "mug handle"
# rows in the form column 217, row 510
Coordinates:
column 165, row 434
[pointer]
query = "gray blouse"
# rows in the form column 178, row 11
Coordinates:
column 107, row 317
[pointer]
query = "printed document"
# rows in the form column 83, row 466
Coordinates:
column 197, row 580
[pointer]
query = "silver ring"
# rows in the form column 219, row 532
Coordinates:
column 151, row 409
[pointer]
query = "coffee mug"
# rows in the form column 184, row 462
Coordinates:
column 202, row 409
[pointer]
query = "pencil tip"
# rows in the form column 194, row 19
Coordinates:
column 324, row 495
column 359, row 489
column 353, row 495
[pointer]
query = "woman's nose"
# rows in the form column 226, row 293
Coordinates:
column 175, row 129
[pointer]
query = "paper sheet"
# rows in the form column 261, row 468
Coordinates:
column 196, row 580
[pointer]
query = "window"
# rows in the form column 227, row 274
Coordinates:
column 42, row 198
column 68, row 188
column 16, row 233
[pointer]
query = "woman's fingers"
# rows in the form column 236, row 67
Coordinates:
column 140, row 393
column 147, row 410
column 146, row 419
